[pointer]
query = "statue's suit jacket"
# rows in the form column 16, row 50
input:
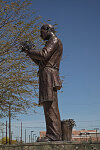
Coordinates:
column 48, row 60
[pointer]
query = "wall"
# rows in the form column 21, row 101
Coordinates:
column 53, row 146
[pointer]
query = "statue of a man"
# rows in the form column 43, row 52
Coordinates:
column 48, row 60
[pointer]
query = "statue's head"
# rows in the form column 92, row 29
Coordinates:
column 47, row 30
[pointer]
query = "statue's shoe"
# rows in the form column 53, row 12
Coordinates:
column 44, row 139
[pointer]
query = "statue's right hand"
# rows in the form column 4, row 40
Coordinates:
column 26, row 46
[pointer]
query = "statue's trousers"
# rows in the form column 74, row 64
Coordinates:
column 52, row 118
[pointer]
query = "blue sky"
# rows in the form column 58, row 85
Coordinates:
column 79, row 30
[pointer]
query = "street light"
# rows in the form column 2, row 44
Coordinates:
column 31, row 136
column 35, row 138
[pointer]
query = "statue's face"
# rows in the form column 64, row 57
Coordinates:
column 43, row 34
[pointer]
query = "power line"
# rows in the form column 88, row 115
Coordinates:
column 27, row 127
column 33, row 127
column 31, row 122
column 87, row 127
column 89, row 121
column 85, row 104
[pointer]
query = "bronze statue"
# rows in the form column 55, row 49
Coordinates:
column 48, row 60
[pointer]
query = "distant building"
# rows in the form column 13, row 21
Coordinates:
column 42, row 134
column 81, row 135
column 85, row 135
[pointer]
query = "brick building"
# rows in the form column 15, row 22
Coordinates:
column 85, row 135
column 81, row 135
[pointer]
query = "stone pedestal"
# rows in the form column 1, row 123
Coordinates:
column 53, row 146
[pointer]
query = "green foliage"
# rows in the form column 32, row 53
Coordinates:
column 18, row 78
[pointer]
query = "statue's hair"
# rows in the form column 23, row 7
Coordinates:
column 48, row 27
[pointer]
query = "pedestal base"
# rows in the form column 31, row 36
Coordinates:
column 58, row 145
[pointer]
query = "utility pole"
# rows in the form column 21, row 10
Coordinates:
column 96, row 133
column 21, row 132
column 9, row 123
column 2, row 136
column 6, row 132
column 25, row 135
